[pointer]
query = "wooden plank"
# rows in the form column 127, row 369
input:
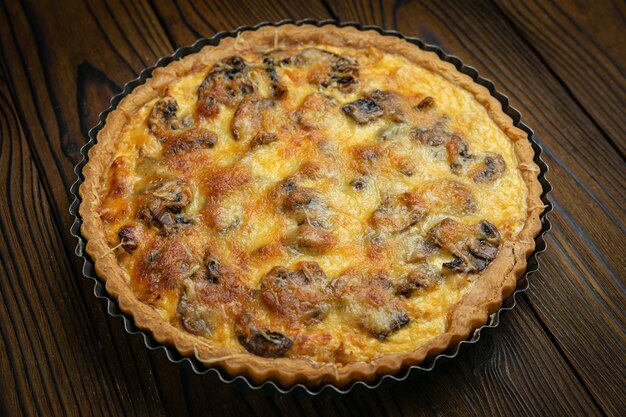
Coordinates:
column 583, row 43
column 53, row 358
column 580, row 290
column 101, row 359
column 188, row 20
column 99, row 62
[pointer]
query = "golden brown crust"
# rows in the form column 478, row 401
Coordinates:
column 496, row 283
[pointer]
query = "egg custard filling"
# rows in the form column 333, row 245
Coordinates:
column 332, row 204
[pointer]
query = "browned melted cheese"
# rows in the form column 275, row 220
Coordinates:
column 327, row 203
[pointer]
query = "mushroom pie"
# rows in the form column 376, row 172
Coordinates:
column 310, row 205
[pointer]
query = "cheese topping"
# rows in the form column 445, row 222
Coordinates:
column 325, row 202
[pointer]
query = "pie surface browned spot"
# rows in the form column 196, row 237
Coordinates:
column 312, row 205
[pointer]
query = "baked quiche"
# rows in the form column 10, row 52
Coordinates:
column 310, row 205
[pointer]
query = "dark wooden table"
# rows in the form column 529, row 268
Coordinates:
column 560, row 352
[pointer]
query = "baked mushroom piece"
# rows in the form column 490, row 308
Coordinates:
column 227, row 83
column 261, row 139
column 473, row 246
column 189, row 140
column 366, row 158
column 439, row 134
column 196, row 317
column 212, row 271
column 173, row 133
column 487, row 168
column 448, row 196
column 162, row 205
column 305, row 206
column 314, row 240
column 418, row 248
column 369, row 299
column 127, row 239
column 396, row 214
column 364, row 110
column 426, row 103
column 490, row 168
column 303, row 203
column 278, row 90
column 327, row 69
column 378, row 103
column 315, row 110
column 210, row 291
column 458, row 152
column 250, row 121
column 298, row 197
column 163, row 119
column 300, row 295
column 259, row 340
column 421, row 277
column 436, row 134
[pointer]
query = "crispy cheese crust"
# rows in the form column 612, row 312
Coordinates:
column 320, row 204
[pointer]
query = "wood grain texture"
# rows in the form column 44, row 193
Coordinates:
column 583, row 44
column 187, row 20
column 54, row 139
column 52, row 359
column 61, row 354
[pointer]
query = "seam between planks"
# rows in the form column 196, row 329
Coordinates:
column 534, row 312
column 164, row 27
column 559, row 349
column 68, row 251
column 56, row 226
column 561, row 82
column 329, row 10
